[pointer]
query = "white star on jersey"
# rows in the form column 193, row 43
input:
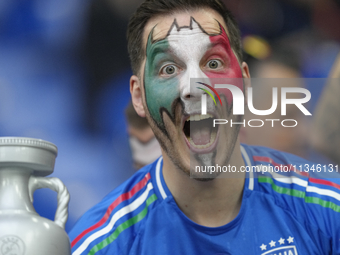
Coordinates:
column 290, row 239
column 263, row 247
column 282, row 241
column 272, row 243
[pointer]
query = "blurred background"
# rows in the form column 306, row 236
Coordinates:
column 64, row 78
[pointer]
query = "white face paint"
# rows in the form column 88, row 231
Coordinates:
column 185, row 53
column 189, row 45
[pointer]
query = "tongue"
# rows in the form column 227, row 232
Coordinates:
column 200, row 134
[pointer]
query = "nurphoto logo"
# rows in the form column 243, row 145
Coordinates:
column 238, row 100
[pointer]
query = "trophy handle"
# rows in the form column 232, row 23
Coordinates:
column 55, row 184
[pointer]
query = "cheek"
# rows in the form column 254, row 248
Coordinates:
column 232, row 73
column 222, row 79
column 160, row 95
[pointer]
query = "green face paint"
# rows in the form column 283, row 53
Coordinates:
column 160, row 92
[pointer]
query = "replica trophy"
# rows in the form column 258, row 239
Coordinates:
column 23, row 163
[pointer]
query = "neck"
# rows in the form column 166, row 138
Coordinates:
column 209, row 203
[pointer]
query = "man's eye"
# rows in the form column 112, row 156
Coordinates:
column 169, row 70
column 214, row 64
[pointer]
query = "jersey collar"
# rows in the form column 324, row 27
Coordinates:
column 165, row 192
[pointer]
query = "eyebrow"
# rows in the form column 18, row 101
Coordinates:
column 162, row 47
column 157, row 48
column 220, row 40
column 157, row 45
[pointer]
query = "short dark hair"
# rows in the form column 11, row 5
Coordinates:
column 152, row 8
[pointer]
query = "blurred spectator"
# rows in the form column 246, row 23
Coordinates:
column 281, row 69
column 325, row 135
column 105, row 51
column 145, row 148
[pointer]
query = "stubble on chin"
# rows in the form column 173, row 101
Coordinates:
column 224, row 150
column 169, row 136
column 175, row 146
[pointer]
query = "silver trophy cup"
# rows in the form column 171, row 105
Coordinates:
column 23, row 164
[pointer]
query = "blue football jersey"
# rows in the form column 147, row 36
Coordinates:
column 283, row 212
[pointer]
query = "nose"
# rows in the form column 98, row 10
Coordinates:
column 190, row 82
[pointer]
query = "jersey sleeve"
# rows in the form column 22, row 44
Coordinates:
column 322, row 201
column 323, row 205
column 110, row 226
column 86, row 235
column 310, row 191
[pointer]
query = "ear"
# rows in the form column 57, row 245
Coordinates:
column 136, row 95
column 246, row 79
column 245, row 70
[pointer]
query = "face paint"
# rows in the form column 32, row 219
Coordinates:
column 231, row 73
column 221, row 48
column 183, row 50
column 160, row 92
column 177, row 55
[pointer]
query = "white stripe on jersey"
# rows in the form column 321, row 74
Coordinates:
column 289, row 180
column 303, row 183
column 122, row 212
column 325, row 192
column 251, row 174
column 158, row 178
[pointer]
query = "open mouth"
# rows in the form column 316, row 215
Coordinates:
column 199, row 131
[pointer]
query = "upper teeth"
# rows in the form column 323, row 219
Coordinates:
column 198, row 117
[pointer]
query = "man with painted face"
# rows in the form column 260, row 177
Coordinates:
column 180, row 51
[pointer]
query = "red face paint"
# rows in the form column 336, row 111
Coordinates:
column 231, row 72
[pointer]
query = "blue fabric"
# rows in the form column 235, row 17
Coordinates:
column 269, row 222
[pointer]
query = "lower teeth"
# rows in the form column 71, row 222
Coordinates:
column 212, row 140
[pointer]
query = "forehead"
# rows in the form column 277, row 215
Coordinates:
column 207, row 18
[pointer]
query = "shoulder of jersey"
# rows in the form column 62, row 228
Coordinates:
column 297, row 184
column 116, row 219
